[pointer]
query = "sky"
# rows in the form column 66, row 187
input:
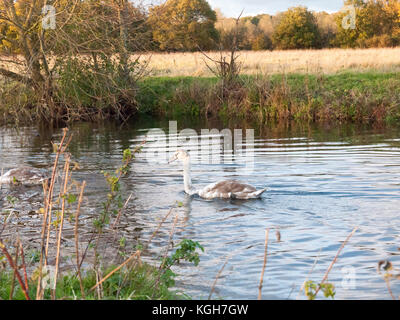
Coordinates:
column 232, row 8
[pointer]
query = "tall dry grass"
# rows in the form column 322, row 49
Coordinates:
column 326, row 61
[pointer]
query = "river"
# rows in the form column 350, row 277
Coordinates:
column 323, row 180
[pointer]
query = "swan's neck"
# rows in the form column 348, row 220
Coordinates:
column 187, row 180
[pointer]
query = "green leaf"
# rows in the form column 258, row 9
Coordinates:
column 71, row 198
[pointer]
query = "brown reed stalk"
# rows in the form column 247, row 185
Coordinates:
column 99, row 286
column 136, row 254
column 165, row 254
column 217, row 277
column 15, row 268
column 309, row 273
column 16, row 264
column 78, row 209
column 388, row 287
column 65, row 189
column 24, row 266
column 334, row 260
column 63, row 148
column 121, row 210
column 264, row 264
column 46, row 221
column 171, row 234
column 158, row 228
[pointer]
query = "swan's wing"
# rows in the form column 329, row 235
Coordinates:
column 226, row 189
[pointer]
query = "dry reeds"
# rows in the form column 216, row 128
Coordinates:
column 47, row 215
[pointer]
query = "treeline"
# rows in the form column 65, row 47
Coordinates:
column 191, row 25
column 377, row 24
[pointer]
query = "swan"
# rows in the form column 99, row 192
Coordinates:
column 24, row 176
column 228, row 189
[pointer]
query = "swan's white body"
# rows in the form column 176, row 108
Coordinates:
column 24, row 175
column 228, row 189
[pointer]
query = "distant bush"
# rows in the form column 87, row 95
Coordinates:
column 297, row 29
column 261, row 42
column 183, row 25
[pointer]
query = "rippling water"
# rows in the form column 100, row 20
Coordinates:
column 323, row 181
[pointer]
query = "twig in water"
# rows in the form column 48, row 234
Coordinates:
column 278, row 236
column 169, row 242
column 158, row 228
column 264, row 264
column 218, row 275
column 309, row 273
column 136, row 254
column 121, row 210
column 162, row 265
column 389, row 289
column 387, row 266
column 334, row 260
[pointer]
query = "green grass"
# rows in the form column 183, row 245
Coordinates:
column 142, row 282
column 347, row 96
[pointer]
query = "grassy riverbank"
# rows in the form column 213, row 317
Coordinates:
column 357, row 97
column 137, row 283
column 361, row 97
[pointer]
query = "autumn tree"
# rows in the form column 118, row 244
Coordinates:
column 267, row 24
column 22, row 32
column 297, row 29
column 85, row 60
column 261, row 42
column 377, row 24
column 228, row 29
column 327, row 27
column 183, row 25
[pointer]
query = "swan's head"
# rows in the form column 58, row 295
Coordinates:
column 180, row 155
